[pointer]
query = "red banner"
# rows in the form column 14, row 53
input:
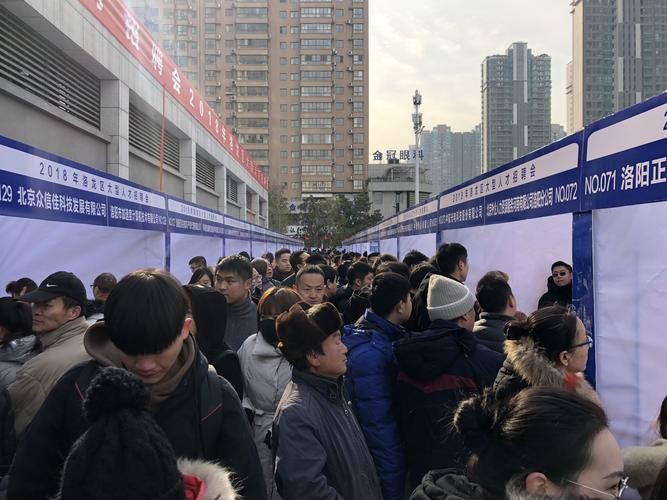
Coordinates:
column 133, row 35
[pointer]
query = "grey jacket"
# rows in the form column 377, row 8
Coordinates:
column 14, row 354
column 490, row 330
column 320, row 449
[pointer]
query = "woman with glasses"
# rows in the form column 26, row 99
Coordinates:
column 543, row 443
column 548, row 349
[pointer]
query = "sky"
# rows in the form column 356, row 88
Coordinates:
column 437, row 46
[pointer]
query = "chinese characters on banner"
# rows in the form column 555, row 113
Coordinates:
column 403, row 154
column 133, row 35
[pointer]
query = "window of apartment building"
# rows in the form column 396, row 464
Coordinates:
column 229, row 106
column 358, row 107
column 357, row 75
column 211, row 43
column 358, row 169
column 229, row 12
column 253, row 91
column 294, row 14
column 295, row 124
column 358, row 122
column 316, row 139
column 338, row 137
column 167, row 29
column 168, row 44
column 229, row 28
column 229, row 44
column 251, row 11
column 294, row 60
column 283, row 30
column 307, row 170
column 295, row 139
column 283, row 76
column 315, row 28
column 211, row 59
column 358, row 91
column 358, row 28
column 254, row 138
column 228, row 75
column 283, row 170
column 339, row 122
column 315, row 12
column 316, row 107
column 252, row 43
column 294, row 30
column 339, row 90
column 315, row 43
column 295, row 185
column 210, row 75
column 252, row 75
column 208, row 27
column 295, row 108
column 315, row 91
column 358, row 138
column 295, row 155
column 316, row 154
column 230, row 58
column 210, row 91
column 339, row 12
column 294, row 92
column 338, row 44
column 357, row 184
column 283, row 60
column 284, row 108
column 294, row 76
column 284, row 123
column 316, row 186
column 296, row 170
column 339, row 28
column 357, row 12
column 339, row 184
column 294, row 45
column 252, row 122
column 283, row 45
column 358, row 59
column 284, row 92
column 338, row 75
column 316, row 75
column 340, row 169
column 340, row 153
column 252, row 28
column 252, row 107
column 358, row 43
column 358, row 154
column 253, row 59
column 283, row 155
column 316, row 59
column 340, row 106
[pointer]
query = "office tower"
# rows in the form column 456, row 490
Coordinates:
column 618, row 56
column 557, row 132
column 516, row 105
column 289, row 78
column 453, row 157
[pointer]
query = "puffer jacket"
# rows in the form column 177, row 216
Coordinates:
column 527, row 366
column 447, row 485
column 14, row 354
column 490, row 330
column 320, row 449
column 439, row 368
column 371, row 381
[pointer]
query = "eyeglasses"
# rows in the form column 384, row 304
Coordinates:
column 620, row 488
column 560, row 273
column 589, row 342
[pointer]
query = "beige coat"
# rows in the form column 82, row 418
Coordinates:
column 63, row 348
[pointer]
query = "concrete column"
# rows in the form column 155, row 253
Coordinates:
column 115, row 121
column 187, row 162
column 221, row 187
column 243, row 200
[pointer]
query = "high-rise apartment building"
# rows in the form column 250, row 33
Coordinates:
column 557, row 132
column 290, row 78
column 619, row 56
column 516, row 105
column 453, row 157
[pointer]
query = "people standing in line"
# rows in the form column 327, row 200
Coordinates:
column 202, row 276
column 266, row 373
column 102, row 286
column 282, row 268
column 371, row 377
column 17, row 343
column 518, row 450
column 233, row 278
column 438, row 369
column 413, row 258
column 260, row 279
column 268, row 257
column 146, row 331
column 208, row 311
column 297, row 260
column 309, row 284
column 559, row 286
column 549, row 349
column 498, row 305
column 58, row 321
column 198, row 262
column 125, row 454
column 330, row 279
column 319, row 446
column 20, row 287
column 418, row 274
column 359, row 275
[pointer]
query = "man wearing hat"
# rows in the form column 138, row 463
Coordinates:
column 319, row 447
column 439, row 368
column 58, row 321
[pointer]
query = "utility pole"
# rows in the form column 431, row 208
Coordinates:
column 417, row 127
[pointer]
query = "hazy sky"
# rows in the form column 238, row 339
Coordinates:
column 437, row 46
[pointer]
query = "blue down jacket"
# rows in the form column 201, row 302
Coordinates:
column 370, row 381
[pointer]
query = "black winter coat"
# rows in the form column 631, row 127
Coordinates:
column 489, row 330
column 439, row 368
column 555, row 295
column 35, row 472
column 447, row 485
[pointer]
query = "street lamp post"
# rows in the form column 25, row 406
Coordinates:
column 417, row 127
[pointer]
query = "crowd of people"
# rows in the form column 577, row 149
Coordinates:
column 306, row 375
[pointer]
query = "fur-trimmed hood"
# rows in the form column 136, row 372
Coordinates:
column 218, row 480
column 527, row 366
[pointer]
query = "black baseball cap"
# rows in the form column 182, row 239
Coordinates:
column 59, row 284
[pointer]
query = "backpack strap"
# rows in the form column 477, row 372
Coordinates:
column 210, row 409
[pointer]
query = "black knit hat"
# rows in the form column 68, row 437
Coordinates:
column 124, row 453
column 303, row 328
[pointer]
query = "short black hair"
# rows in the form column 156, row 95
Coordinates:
column 282, row 251
column 105, row 282
column 342, row 272
column 69, row 303
column 261, row 266
column 493, row 292
column 295, row 259
column 449, row 255
column 387, row 290
column 268, row 256
column 198, row 260
column 145, row 311
column 373, row 254
column 237, row 265
column 414, row 257
column 316, row 259
column 394, row 267
column 16, row 317
column 309, row 269
column 330, row 274
column 245, row 255
column 15, row 287
column 358, row 270
column 560, row 263
column 419, row 273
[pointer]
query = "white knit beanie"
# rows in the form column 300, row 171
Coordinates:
column 447, row 298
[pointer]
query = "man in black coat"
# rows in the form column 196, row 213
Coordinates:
column 498, row 305
column 147, row 332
